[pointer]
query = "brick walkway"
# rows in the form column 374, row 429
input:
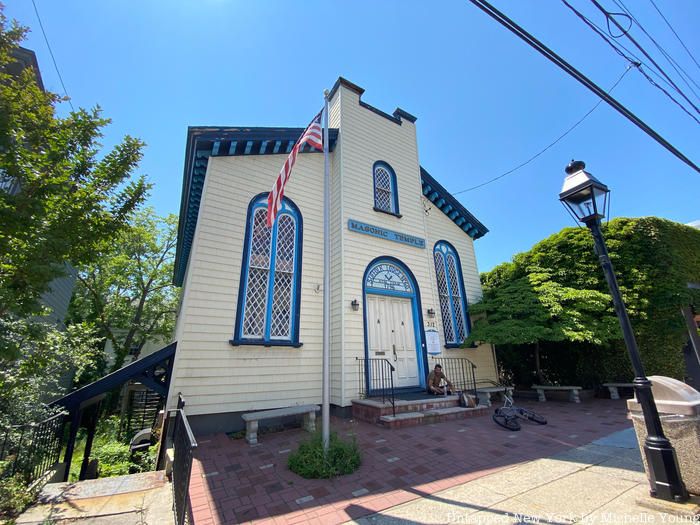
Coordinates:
column 234, row 483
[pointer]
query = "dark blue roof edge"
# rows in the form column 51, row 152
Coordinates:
column 451, row 204
column 212, row 133
column 398, row 112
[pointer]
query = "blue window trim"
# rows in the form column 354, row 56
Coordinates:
column 289, row 208
column 394, row 189
column 418, row 327
column 465, row 303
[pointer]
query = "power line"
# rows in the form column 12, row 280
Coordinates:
column 571, row 70
column 631, row 38
column 55, row 65
column 674, row 32
column 528, row 161
column 674, row 64
column 636, row 62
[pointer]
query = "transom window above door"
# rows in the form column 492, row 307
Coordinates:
column 386, row 198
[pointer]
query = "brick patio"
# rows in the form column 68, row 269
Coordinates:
column 233, row 482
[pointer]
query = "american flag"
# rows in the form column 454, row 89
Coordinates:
column 313, row 134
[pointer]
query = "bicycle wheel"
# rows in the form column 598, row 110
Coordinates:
column 509, row 422
column 531, row 416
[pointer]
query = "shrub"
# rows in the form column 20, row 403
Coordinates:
column 113, row 458
column 14, row 494
column 309, row 461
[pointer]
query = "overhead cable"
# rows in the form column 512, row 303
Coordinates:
column 638, row 46
column 674, row 32
column 674, row 64
column 571, row 70
column 528, row 161
column 634, row 60
column 55, row 65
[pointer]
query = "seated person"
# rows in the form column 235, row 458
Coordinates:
column 434, row 379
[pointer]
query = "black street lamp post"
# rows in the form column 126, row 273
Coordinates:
column 585, row 197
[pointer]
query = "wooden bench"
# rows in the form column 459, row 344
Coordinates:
column 614, row 394
column 252, row 418
column 573, row 391
column 485, row 399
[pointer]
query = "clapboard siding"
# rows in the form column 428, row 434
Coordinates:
column 213, row 375
column 217, row 377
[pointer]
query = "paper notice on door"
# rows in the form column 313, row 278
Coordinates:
column 432, row 341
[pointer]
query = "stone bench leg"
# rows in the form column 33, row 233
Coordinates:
column 573, row 396
column 540, row 395
column 310, row 422
column 251, row 432
column 485, row 398
column 508, row 392
column 614, row 394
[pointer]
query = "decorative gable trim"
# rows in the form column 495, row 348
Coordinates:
column 443, row 200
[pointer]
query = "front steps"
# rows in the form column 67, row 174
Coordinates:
column 413, row 412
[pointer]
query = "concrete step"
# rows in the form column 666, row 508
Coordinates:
column 128, row 500
column 436, row 415
column 371, row 410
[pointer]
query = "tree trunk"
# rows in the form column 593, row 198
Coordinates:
column 538, row 369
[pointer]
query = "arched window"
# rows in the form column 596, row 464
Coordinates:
column 268, row 299
column 453, row 304
column 386, row 196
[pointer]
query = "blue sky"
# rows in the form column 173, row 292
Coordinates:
column 485, row 101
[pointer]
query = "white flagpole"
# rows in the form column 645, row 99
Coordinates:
column 325, row 406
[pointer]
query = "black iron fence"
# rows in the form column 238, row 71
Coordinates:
column 183, row 450
column 376, row 377
column 33, row 449
column 460, row 371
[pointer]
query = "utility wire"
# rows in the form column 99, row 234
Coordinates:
column 55, row 65
column 528, row 161
column 636, row 62
column 674, row 32
column 674, row 64
column 631, row 38
column 571, row 70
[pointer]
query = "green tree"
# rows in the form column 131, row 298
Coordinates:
column 526, row 308
column 128, row 292
column 71, row 197
column 45, row 358
column 556, row 294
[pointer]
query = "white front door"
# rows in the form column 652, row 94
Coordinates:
column 391, row 336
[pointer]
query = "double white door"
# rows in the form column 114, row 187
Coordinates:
column 391, row 336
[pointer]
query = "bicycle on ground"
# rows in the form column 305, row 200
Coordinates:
column 508, row 415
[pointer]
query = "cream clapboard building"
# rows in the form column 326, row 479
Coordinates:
column 403, row 268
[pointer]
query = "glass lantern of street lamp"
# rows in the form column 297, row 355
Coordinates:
column 583, row 195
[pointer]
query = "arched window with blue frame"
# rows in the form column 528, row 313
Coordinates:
column 386, row 196
column 453, row 301
column 269, row 293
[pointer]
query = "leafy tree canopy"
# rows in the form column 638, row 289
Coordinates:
column 69, row 198
column 556, row 292
column 127, row 292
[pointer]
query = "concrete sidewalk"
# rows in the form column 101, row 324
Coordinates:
column 595, row 483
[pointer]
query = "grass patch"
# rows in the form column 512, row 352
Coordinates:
column 309, row 462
